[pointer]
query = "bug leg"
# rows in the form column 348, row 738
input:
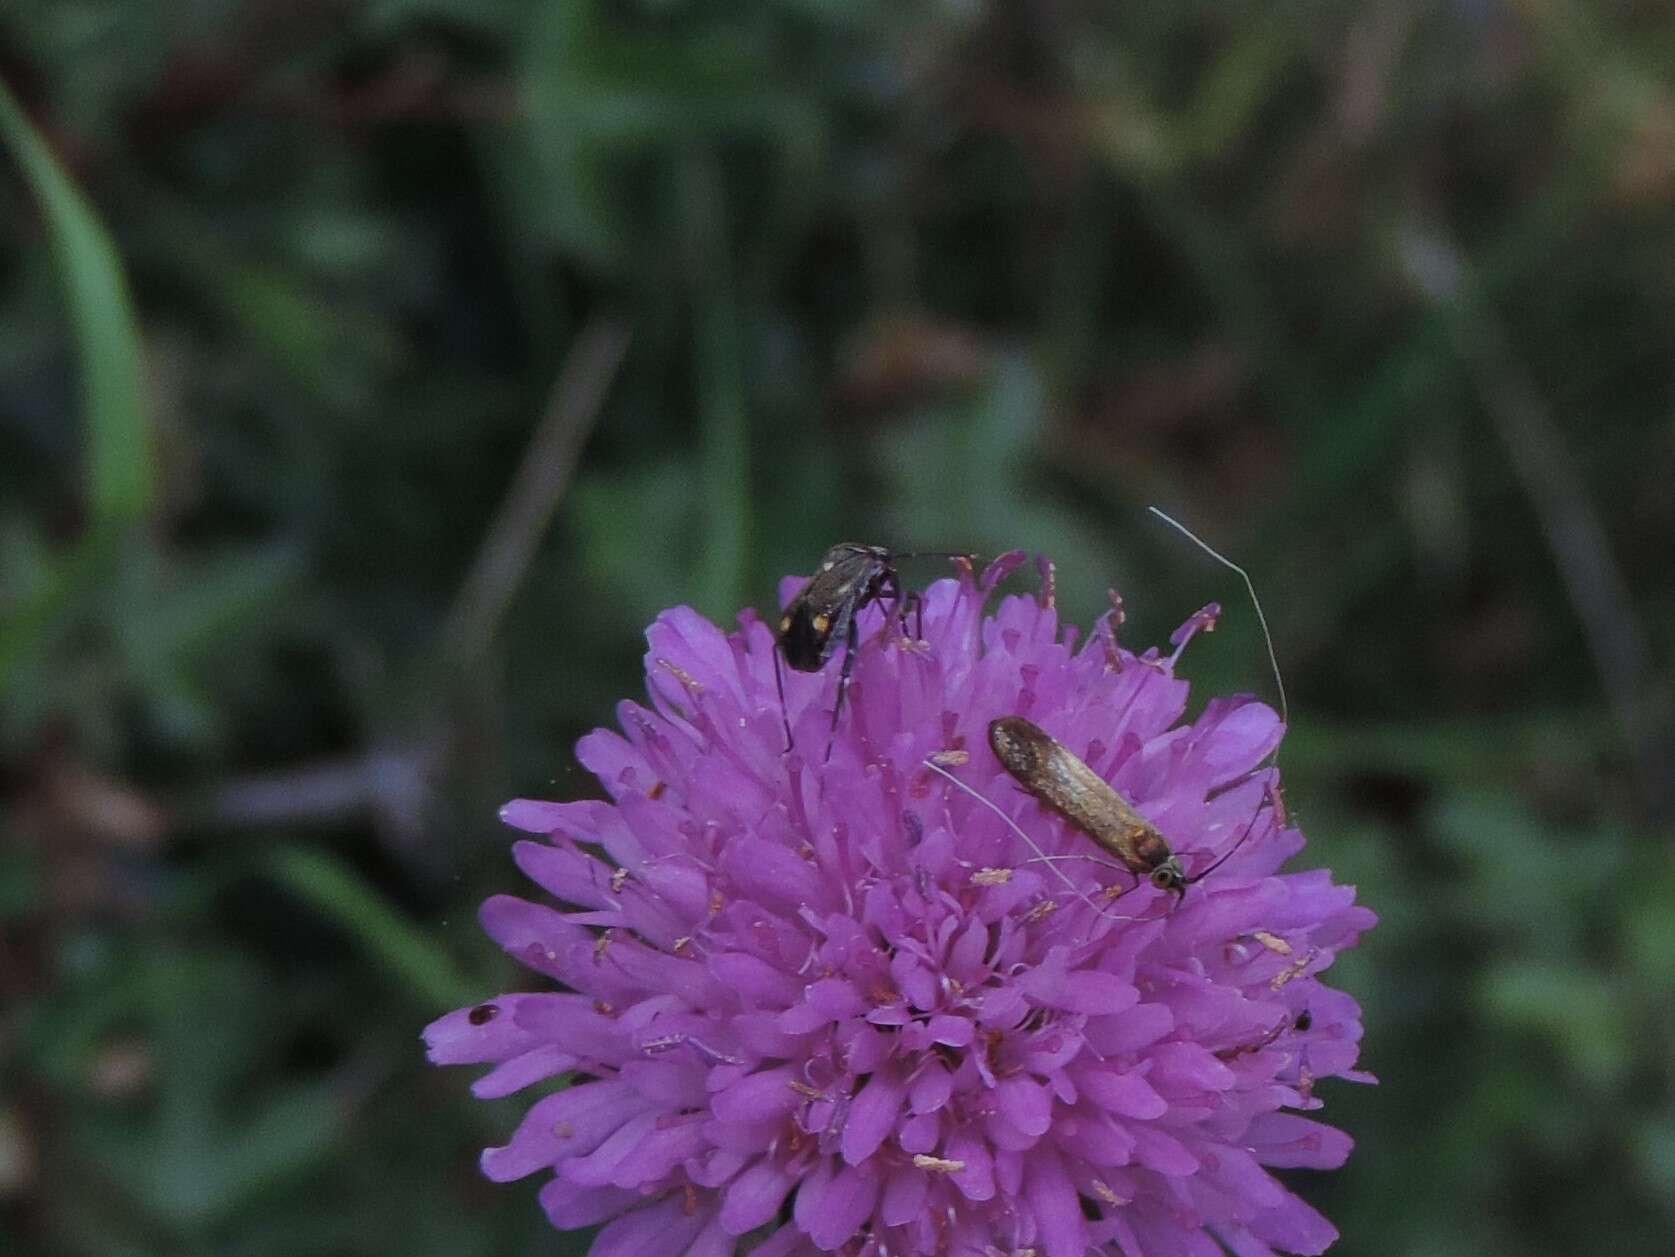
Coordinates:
column 852, row 646
column 1092, row 859
column 784, row 713
column 889, row 586
column 913, row 598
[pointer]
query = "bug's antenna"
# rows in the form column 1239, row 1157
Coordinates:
column 1250, row 588
column 1227, row 855
column 1028, row 841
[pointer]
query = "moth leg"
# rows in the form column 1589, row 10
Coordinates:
column 1091, row 859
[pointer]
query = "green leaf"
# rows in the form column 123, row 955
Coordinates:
column 723, row 424
column 119, row 460
column 1578, row 1010
column 345, row 898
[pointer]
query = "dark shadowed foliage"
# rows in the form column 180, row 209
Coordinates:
column 371, row 373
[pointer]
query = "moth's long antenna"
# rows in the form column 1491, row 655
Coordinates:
column 1250, row 588
column 1028, row 841
column 1227, row 855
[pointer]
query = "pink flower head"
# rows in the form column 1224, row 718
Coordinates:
column 841, row 1006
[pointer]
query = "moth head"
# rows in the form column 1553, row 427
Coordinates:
column 1169, row 876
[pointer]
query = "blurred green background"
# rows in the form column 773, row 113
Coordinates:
column 371, row 373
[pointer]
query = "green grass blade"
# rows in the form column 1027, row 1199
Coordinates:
column 724, row 441
column 340, row 896
column 119, row 464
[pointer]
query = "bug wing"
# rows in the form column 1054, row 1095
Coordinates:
column 805, row 648
column 1093, row 805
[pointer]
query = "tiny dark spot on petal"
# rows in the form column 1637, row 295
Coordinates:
column 483, row 1014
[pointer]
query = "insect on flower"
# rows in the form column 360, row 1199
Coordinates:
column 822, row 1027
column 1051, row 772
column 826, row 611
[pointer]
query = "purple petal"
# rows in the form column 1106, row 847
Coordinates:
column 770, row 873
column 931, row 1089
column 671, row 1144
column 565, row 873
column 835, row 999
column 484, row 1032
column 956, row 1032
column 1296, row 1228
column 712, row 1241
column 865, row 1049
column 1236, row 1172
column 904, row 1196
column 1202, row 620
column 572, row 1023
column 965, row 958
column 535, row 816
column 1002, row 1007
column 1139, row 1027
column 755, row 1196
column 871, row 1116
column 1233, row 736
column 521, row 1071
column 1090, row 991
column 1058, row 1213
column 1187, row 1067
column 1284, row 1139
column 976, row 1180
column 537, row 937
column 1001, row 567
column 670, row 1082
column 920, row 1134
column 569, row 1206
column 565, row 1124
column 1099, row 1141
column 755, row 980
column 615, row 761
column 788, row 1241
column 832, row 1206
column 660, row 1230
column 758, row 1097
column 599, row 1167
column 1126, row 1094
column 1163, row 1153
column 1025, row 1104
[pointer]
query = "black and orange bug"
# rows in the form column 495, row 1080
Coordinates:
column 826, row 611
column 1058, row 777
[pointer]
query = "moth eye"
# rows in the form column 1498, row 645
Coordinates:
column 822, row 622
column 785, row 624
